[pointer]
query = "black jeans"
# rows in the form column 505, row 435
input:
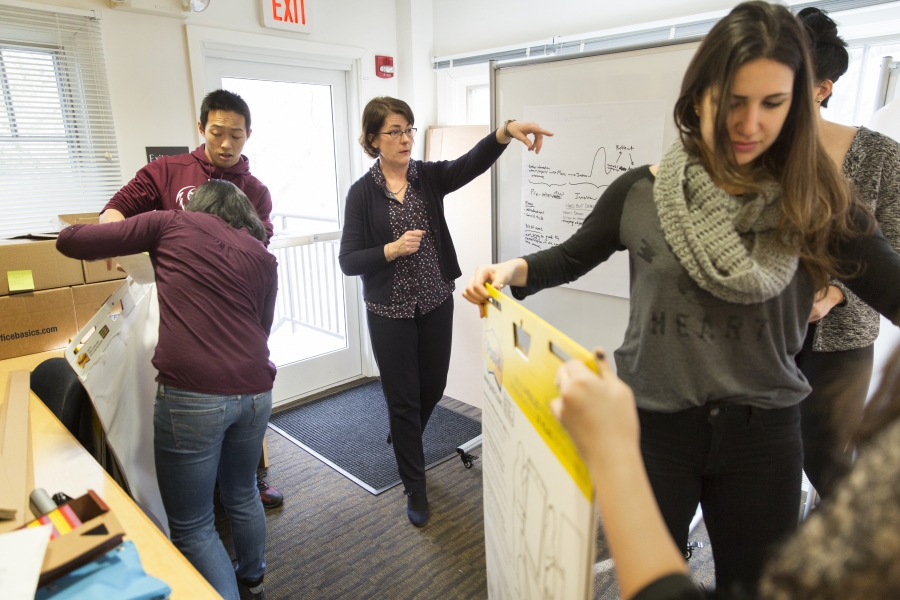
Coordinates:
column 832, row 411
column 742, row 465
column 413, row 356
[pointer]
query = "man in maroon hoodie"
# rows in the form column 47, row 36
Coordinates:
column 168, row 182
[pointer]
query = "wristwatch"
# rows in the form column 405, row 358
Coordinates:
column 506, row 128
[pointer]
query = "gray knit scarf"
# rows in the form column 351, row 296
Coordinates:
column 727, row 244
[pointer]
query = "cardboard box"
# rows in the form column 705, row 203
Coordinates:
column 95, row 271
column 36, row 322
column 90, row 298
column 92, row 271
column 16, row 460
column 78, row 218
column 49, row 269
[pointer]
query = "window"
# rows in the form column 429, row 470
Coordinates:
column 57, row 143
column 853, row 100
column 478, row 105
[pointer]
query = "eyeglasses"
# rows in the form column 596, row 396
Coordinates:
column 396, row 133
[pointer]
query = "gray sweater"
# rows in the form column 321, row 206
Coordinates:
column 684, row 347
column 873, row 165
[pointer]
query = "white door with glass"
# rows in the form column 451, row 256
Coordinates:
column 299, row 148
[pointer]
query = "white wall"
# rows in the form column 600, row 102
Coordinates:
column 149, row 72
column 415, row 75
column 469, row 25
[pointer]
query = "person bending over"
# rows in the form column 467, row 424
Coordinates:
column 217, row 285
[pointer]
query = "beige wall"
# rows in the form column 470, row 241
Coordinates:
column 472, row 239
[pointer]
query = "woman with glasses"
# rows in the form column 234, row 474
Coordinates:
column 396, row 238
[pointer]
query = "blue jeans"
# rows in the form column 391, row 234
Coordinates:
column 197, row 439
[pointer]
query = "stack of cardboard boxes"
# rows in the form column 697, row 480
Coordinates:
column 46, row 298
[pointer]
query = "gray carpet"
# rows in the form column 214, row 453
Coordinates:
column 332, row 539
column 348, row 431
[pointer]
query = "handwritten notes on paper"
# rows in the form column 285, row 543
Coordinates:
column 593, row 144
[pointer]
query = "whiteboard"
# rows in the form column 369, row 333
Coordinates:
column 592, row 145
column 594, row 309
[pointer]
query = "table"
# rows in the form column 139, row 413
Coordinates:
column 62, row 464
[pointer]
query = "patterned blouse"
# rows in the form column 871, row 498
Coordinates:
column 418, row 281
column 873, row 166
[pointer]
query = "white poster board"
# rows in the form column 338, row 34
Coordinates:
column 539, row 519
column 112, row 357
column 592, row 145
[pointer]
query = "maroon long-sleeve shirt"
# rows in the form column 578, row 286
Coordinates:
column 168, row 182
column 216, row 288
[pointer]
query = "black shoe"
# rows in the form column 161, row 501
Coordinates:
column 246, row 592
column 270, row 496
column 417, row 508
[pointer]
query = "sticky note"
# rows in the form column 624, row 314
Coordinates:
column 20, row 281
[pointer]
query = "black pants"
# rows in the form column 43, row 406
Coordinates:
column 830, row 414
column 413, row 356
column 742, row 465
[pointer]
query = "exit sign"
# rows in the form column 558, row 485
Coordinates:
column 289, row 15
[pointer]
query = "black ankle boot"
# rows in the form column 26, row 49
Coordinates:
column 417, row 508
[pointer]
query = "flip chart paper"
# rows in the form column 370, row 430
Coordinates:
column 592, row 145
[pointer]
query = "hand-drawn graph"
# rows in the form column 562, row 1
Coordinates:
column 593, row 144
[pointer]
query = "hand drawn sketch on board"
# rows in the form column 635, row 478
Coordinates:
column 592, row 145
column 544, row 537
column 539, row 518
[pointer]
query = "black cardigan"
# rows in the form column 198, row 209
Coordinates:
column 367, row 225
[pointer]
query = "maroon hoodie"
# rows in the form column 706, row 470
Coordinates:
column 168, row 182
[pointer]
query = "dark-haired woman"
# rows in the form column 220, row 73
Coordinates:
column 838, row 353
column 396, row 238
column 742, row 216
column 217, row 285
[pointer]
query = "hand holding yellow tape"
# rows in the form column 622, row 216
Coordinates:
column 538, row 499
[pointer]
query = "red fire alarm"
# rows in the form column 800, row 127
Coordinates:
column 384, row 66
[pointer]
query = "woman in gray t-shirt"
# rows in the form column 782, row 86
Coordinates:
column 729, row 238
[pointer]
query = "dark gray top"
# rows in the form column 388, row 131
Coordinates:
column 873, row 165
column 684, row 347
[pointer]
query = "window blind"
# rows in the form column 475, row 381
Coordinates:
column 57, row 141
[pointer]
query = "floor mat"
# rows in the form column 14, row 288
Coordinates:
column 348, row 431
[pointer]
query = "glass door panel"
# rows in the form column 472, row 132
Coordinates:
column 299, row 148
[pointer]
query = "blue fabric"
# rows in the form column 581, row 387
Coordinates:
column 117, row 575
column 197, row 439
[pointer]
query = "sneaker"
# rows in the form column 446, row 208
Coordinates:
column 246, row 592
column 417, row 508
column 270, row 497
